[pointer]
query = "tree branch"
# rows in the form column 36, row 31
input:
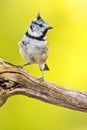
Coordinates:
column 15, row 81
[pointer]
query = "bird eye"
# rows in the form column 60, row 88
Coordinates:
column 40, row 25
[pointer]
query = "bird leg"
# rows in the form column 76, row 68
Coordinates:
column 42, row 66
column 22, row 66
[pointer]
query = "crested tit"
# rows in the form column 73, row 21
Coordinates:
column 34, row 45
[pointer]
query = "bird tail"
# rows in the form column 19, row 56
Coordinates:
column 46, row 67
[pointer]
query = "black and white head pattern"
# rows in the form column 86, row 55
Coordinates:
column 38, row 28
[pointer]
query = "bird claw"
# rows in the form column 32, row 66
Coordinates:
column 41, row 79
column 19, row 66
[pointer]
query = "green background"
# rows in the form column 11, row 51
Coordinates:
column 67, row 61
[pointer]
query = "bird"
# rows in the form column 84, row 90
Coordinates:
column 34, row 45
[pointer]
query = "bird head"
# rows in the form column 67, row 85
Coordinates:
column 39, row 27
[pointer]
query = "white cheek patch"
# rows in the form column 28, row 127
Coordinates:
column 35, row 33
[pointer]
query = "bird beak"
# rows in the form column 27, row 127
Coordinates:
column 50, row 27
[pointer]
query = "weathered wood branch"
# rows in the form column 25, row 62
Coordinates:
column 15, row 81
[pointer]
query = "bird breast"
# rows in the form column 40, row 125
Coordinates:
column 34, row 52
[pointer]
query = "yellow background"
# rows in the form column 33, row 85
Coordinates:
column 67, row 61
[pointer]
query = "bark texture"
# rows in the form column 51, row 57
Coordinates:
column 15, row 81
